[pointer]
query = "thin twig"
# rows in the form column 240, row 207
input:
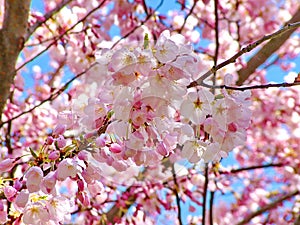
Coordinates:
column 272, row 205
column 187, row 16
column 211, row 208
column 216, row 39
column 205, row 194
column 233, row 171
column 176, row 190
column 244, row 50
column 262, row 86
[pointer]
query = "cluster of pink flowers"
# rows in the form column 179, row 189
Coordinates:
column 151, row 111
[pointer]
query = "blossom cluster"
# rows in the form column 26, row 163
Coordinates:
column 140, row 95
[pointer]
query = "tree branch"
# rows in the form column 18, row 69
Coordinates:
column 211, row 208
column 253, row 168
column 248, row 48
column 12, row 36
column 267, row 50
column 47, row 16
column 263, row 86
column 268, row 207
column 205, row 194
column 176, row 190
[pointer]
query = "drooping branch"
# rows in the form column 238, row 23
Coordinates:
column 268, row 207
column 266, row 51
column 12, row 37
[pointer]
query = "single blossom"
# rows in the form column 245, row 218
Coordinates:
column 34, row 177
column 66, row 168
column 197, row 106
column 22, row 198
column 48, row 183
column 59, row 208
column 36, row 214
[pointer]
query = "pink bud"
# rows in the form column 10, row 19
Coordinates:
column 115, row 148
column 101, row 140
column 18, row 185
column 6, row 165
column 54, row 155
column 83, row 155
column 59, row 129
column 9, row 192
column 80, row 184
column 61, row 141
column 83, row 198
column 161, row 149
column 49, row 140
column 1, row 205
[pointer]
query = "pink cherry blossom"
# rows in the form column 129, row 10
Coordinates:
column 9, row 192
column 48, row 183
column 66, row 168
column 197, row 106
column 59, row 208
column 22, row 198
column 34, row 177
column 36, row 213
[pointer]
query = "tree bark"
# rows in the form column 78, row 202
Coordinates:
column 12, row 38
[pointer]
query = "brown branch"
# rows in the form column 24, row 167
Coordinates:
column 47, row 16
column 187, row 16
column 267, row 50
column 211, row 207
column 252, row 168
column 205, row 188
column 11, row 43
column 216, row 39
column 176, row 190
column 248, row 48
column 268, row 207
column 263, row 86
